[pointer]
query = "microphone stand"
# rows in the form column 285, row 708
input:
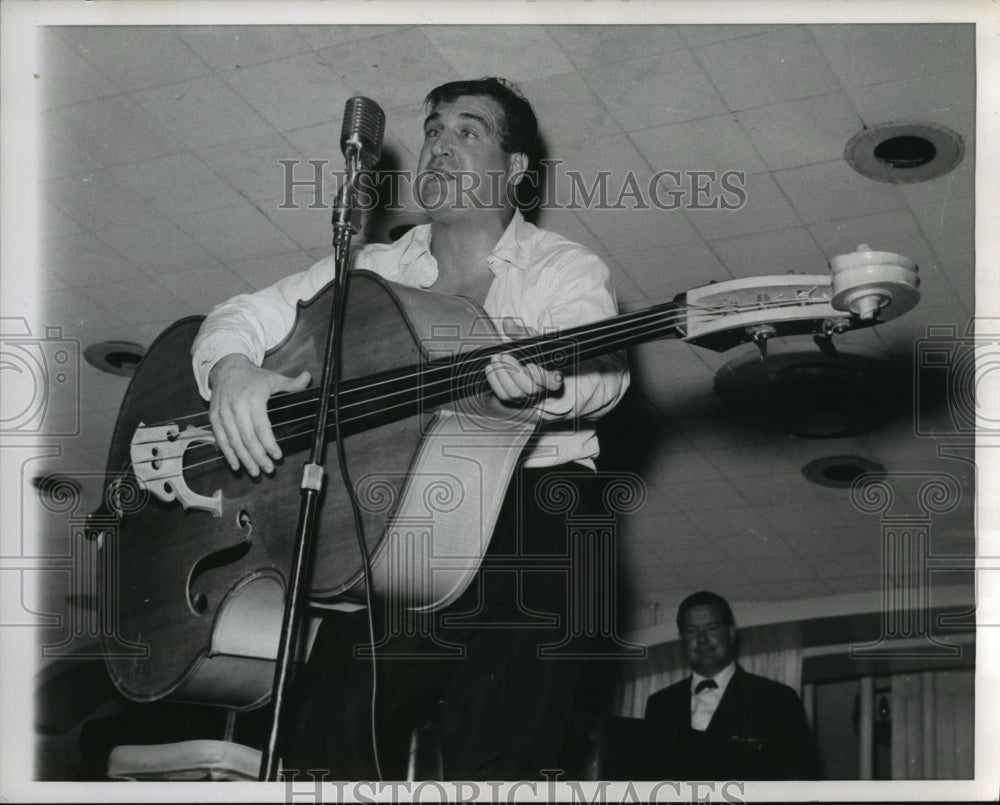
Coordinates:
column 313, row 474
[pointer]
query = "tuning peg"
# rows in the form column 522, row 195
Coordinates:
column 825, row 344
column 760, row 334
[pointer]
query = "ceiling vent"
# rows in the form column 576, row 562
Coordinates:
column 115, row 357
column 840, row 472
column 813, row 394
column 904, row 153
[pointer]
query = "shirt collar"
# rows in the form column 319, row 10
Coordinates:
column 513, row 248
column 721, row 679
column 419, row 244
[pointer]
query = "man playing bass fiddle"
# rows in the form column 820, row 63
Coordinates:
column 501, row 709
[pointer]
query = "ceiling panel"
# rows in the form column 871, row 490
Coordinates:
column 162, row 193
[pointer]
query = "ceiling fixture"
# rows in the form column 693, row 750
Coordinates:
column 904, row 152
column 115, row 357
column 814, row 394
column 840, row 472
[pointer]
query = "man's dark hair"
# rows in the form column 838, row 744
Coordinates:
column 705, row 598
column 519, row 126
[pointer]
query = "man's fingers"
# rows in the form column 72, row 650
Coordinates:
column 512, row 380
column 222, row 440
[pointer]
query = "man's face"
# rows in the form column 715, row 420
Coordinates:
column 708, row 642
column 462, row 163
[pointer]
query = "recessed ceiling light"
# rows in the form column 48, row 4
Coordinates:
column 115, row 357
column 904, row 152
column 840, row 471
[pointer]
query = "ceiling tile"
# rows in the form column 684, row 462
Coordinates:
column 62, row 154
column 784, row 487
column 778, row 569
column 82, row 260
column 813, row 586
column 78, row 318
column 694, row 497
column 138, row 301
column 53, row 222
column 156, row 249
column 706, row 575
column 255, row 169
column 841, row 565
column 960, row 271
column 834, row 190
column 568, row 224
column 135, row 57
column 787, row 518
column 959, row 183
column 709, row 144
column 306, row 227
column 764, row 207
column 261, row 272
column 397, row 69
column 266, row 88
column 615, row 202
column 590, row 45
column 320, row 37
column 871, row 54
column 629, row 295
column 501, row 53
column 665, row 272
column 202, row 111
column 115, row 130
column 671, row 376
column 567, row 110
column 227, row 47
column 696, row 35
column 177, row 184
column 949, row 226
column 711, row 431
column 639, row 94
column 679, row 464
column 98, row 200
column 736, row 463
column 778, row 251
column 777, row 66
column 206, row 287
column 948, row 99
column 235, row 233
column 801, row 132
column 65, row 76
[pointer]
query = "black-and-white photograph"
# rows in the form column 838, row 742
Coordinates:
column 590, row 402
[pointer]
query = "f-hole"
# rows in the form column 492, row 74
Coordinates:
column 198, row 601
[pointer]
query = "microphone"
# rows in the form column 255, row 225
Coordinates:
column 364, row 123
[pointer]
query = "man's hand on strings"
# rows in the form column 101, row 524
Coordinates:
column 512, row 381
column 238, row 411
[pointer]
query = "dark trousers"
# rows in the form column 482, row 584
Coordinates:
column 477, row 668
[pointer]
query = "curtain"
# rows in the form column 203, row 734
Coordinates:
column 933, row 725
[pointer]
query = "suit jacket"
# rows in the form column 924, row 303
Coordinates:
column 758, row 732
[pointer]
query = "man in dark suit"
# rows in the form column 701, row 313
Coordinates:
column 723, row 723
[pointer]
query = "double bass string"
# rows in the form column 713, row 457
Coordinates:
column 438, row 380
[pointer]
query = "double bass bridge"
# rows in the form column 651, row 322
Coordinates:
column 158, row 464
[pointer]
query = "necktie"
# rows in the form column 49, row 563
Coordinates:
column 705, row 684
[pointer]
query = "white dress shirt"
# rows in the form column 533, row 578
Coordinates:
column 547, row 282
column 704, row 704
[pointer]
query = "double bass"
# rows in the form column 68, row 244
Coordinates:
column 201, row 553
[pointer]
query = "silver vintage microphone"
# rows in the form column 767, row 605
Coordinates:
column 364, row 124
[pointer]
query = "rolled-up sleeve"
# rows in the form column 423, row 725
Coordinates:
column 251, row 324
column 579, row 291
